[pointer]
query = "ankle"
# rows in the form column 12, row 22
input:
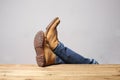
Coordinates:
column 54, row 45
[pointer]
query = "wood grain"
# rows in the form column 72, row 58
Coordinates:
column 60, row 72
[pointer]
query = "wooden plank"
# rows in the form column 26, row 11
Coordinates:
column 60, row 72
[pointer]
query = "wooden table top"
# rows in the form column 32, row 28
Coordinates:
column 60, row 72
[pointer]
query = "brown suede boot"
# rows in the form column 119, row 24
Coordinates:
column 44, row 54
column 51, row 33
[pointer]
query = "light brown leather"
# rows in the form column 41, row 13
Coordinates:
column 49, row 55
column 51, row 33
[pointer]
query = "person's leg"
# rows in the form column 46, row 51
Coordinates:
column 66, row 54
column 58, row 60
column 71, row 57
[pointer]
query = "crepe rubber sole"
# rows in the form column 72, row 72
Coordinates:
column 39, row 48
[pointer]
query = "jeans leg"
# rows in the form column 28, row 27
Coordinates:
column 70, row 57
column 59, row 60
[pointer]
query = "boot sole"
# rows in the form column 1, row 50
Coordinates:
column 39, row 48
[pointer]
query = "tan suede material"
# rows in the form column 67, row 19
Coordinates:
column 49, row 55
column 51, row 33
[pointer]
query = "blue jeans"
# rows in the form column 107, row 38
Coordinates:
column 67, row 56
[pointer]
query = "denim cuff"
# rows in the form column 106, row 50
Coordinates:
column 58, row 48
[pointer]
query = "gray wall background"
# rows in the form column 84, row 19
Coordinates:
column 89, row 27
